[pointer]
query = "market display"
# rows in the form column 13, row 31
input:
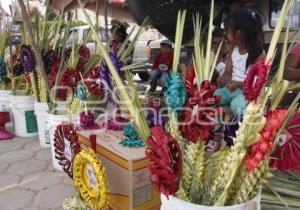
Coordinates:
column 59, row 102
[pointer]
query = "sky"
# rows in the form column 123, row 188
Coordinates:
column 5, row 5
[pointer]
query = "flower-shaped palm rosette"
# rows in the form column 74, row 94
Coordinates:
column 260, row 150
column 133, row 139
column 49, row 58
column 69, row 80
column 27, row 58
column 197, row 124
column 66, row 146
column 84, row 55
column 90, row 179
column 255, row 80
column 287, row 154
column 3, row 71
column 166, row 161
column 93, row 83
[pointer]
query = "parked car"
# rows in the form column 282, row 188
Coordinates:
column 77, row 34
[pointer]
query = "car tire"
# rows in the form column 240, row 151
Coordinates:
column 144, row 76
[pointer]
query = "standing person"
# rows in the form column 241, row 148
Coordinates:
column 162, row 65
column 244, row 33
column 119, row 32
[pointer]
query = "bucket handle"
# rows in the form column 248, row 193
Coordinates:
column 15, row 106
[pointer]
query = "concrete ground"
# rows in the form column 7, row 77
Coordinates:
column 27, row 178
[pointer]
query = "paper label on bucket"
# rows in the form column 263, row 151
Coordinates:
column 31, row 124
column 91, row 176
column 67, row 150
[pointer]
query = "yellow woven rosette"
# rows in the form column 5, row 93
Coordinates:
column 90, row 179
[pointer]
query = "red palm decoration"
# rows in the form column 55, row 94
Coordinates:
column 198, row 123
column 191, row 87
column 258, row 151
column 166, row 161
column 287, row 153
column 66, row 146
column 93, row 83
column 84, row 55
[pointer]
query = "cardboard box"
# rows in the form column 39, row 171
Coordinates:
column 126, row 171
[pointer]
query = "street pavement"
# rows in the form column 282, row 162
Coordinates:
column 27, row 179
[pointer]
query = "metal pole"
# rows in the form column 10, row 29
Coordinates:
column 105, row 19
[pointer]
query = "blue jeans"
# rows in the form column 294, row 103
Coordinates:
column 156, row 74
column 235, row 99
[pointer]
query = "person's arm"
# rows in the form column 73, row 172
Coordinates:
column 291, row 72
column 228, row 72
column 155, row 62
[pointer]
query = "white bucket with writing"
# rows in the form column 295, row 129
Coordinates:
column 23, row 115
column 40, row 110
column 174, row 203
column 5, row 106
column 52, row 121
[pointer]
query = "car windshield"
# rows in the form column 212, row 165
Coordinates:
column 72, row 38
column 101, row 32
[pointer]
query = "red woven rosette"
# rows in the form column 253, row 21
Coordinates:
column 66, row 146
column 197, row 125
column 190, row 82
column 93, row 83
column 165, row 161
column 260, row 150
column 84, row 55
column 287, row 153
column 255, row 80
column 199, row 112
column 69, row 80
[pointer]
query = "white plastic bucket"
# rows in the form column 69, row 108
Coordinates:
column 5, row 105
column 23, row 115
column 177, row 204
column 52, row 121
column 40, row 110
column 61, row 106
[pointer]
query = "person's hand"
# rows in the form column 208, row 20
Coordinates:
column 232, row 86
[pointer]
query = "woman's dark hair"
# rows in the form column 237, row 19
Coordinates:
column 218, row 32
column 120, row 30
column 249, row 22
